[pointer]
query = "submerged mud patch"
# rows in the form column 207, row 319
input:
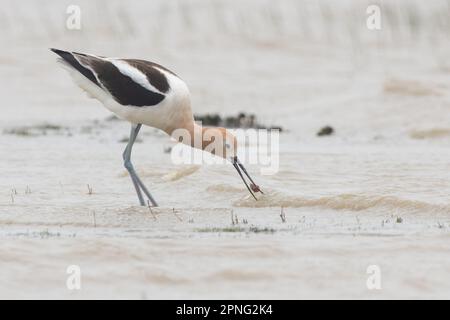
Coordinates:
column 219, row 188
column 409, row 88
column 434, row 133
column 180, row 173
column 350, row 202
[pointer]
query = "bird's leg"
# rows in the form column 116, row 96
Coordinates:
column 127, row 161
column 138, row 185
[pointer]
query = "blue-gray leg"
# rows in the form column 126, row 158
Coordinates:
column 138, row 185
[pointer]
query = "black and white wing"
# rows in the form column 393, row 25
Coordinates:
column 130, row 82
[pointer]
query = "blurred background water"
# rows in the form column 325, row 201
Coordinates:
column 295, row 56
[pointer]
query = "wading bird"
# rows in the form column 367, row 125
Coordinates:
column 144, row 92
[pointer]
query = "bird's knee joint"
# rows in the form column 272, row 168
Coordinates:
column 128, row 165
column 124, row 154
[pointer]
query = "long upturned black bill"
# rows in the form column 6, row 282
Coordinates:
column 239, row 166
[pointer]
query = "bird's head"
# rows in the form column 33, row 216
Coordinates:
column 221, row 142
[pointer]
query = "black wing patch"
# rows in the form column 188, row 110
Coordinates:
column 69, row 58
column 122, row 87
column 124, row 90
column 154, row 76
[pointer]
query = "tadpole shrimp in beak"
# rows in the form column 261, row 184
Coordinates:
column 253, row 187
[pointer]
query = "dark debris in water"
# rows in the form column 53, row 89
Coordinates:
column 325, row 131
column 112, row 118
column 242, row 120
column 37, row 130
column 231, row 229
column 127, row 139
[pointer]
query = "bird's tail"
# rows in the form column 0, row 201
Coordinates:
column 69, row 59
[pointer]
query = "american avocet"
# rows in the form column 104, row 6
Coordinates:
column 144, row 92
